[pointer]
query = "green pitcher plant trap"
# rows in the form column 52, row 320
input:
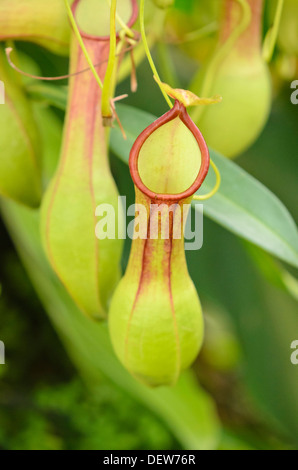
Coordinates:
column 88, row 267
column 155, row 317
column 162, row 261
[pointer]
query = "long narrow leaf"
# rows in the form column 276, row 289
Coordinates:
column 242, row 205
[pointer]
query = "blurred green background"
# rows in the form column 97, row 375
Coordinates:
column 250, row 304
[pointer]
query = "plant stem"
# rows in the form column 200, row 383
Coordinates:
column 108, row 80
column 139, row 55
column 81, row 42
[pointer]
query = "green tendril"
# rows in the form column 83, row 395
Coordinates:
column 271, row 36
column 203, row 197
column 147, row 50
column 108, row 80
column 124, row 26
column 81, row 43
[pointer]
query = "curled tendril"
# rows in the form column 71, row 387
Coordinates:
column 203, row 197
column 9, row 50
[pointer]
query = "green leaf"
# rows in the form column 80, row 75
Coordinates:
column 247, row 208
column 242, row 205
column 52, row 95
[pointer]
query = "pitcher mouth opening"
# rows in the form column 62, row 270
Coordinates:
column 131, row 21
column 178, row 110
